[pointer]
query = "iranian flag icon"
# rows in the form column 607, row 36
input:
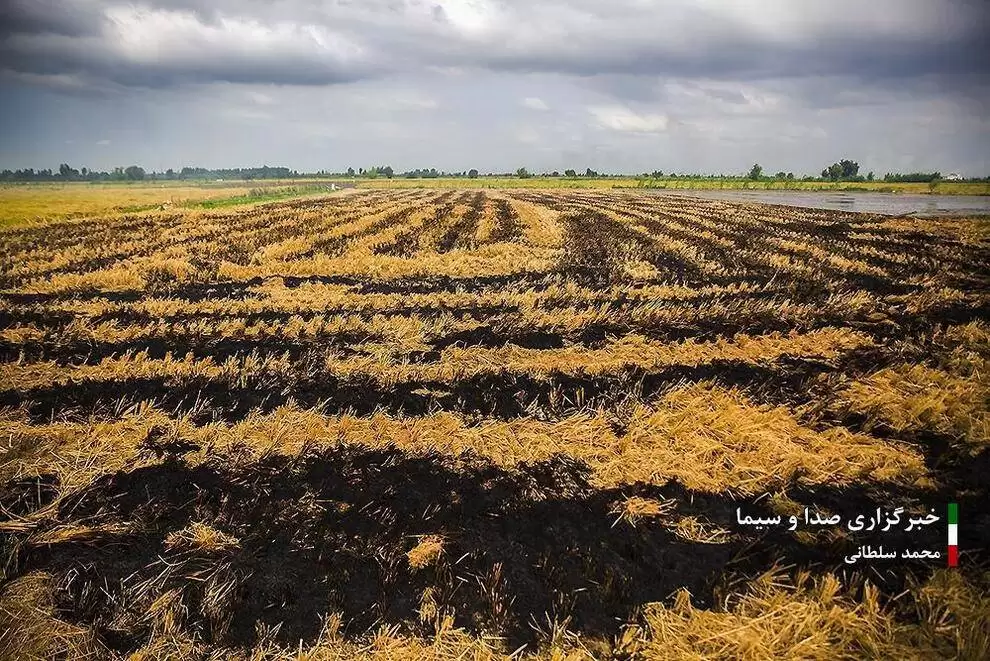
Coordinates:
column 953, row 535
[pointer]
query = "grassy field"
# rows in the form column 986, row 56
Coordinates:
column 469, row 424
column 32, row 203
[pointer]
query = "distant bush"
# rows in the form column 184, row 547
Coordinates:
column 912, row 177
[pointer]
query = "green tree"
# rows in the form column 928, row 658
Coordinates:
column 472, row 173
column 755, row 172
column 350, row 172
column 523, row 173
column 388, row 171
column 570, row 173
column 844, row 170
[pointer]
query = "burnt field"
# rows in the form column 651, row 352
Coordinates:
column 406, row 424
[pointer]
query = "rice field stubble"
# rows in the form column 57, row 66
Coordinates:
column 470, row 424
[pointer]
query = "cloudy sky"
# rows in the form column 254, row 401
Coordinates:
column 615, row 85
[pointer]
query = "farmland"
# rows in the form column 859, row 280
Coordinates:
column 22, row 203
column 686, row 183
column 40, row 202
column 450, row 423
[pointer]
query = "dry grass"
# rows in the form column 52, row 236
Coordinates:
column 918, row 398
column 815, row 618
column 775, row 618
column 707, row 438
column 200, row 537
column 29, row 628
column 426, row 552
column 633, row 509
column 714, row 440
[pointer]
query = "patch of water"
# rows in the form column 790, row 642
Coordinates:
column 893, row 204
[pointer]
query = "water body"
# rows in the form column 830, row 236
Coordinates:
column 892, row 204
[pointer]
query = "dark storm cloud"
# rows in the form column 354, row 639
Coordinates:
column 751, row 59
column 100, row 69
column 49, row 16
column 630, row 85
column 143, row 46
column 169, row 42
column 704, row 41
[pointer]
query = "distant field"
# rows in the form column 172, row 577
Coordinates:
column 944, row 188
column 458, row 424
column 20, row 203
column 26, row 203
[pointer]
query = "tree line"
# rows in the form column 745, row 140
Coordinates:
column 66, row 172
column 848, row 170
column 845, row 170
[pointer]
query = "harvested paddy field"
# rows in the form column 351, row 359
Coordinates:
column 415, row 423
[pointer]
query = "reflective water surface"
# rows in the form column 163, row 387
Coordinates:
column 893, row 204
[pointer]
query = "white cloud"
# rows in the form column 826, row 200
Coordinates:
column 535, row 103
column 154, row 36
column 103, row 143
column 472, row 16
column 620, row 118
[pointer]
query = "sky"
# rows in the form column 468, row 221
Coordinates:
column 615, row 85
